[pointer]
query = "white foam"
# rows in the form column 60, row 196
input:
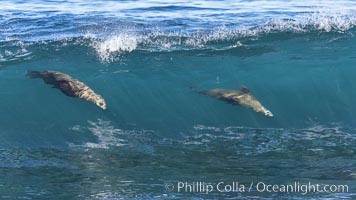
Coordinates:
column 250, row 140
column 111, row 48
column 200, row 127
column 107, row 135
column 16, row 53
column 108, row 48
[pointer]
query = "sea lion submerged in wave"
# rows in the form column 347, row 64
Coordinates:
column 241, row 97
column 69, row 86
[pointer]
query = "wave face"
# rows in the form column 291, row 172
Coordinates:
column 297, row 58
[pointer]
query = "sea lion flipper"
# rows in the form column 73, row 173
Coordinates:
column 66, row 88
column 63, row 85
column 244, row 89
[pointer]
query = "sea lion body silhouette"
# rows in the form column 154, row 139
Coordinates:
column 241, row 97
column 69, row 86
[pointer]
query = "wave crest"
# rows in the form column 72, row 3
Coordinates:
column 111, row 41
column 107, row 49
column 17, row 51
column 221, row 37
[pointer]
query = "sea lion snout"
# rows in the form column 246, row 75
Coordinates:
column 267, row 113
column 101, row 103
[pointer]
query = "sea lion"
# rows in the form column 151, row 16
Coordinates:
column 241, row 97
column 69, row 86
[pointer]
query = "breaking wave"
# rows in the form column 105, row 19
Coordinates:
column 219, row 38
column 119, row 39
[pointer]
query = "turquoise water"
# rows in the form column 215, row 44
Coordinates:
column 143, row 57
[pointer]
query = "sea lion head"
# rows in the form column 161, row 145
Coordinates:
column 267, row 112
column 101, row 103
column 247, row 100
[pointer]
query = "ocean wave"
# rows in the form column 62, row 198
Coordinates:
column 108, row 49
column 254, row 141
column 112, row 43
column 16, row 51
column 109, row 136
column 32, row 158
column 246, row 141
column 219, row 38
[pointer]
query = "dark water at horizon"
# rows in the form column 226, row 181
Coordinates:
column 297, row 58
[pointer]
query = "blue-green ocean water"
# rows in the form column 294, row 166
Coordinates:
column 298, row 58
